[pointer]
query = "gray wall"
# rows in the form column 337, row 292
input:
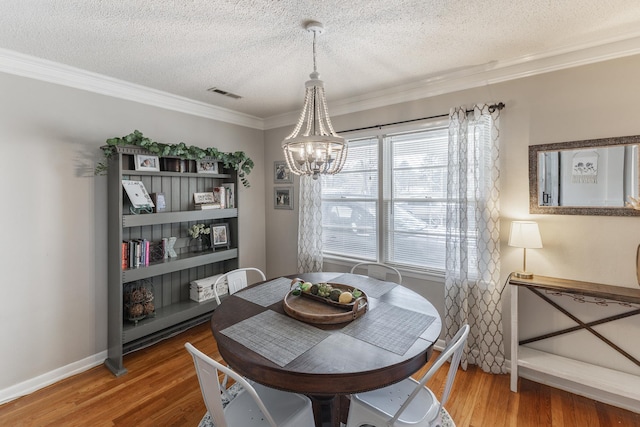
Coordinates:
column 53, row 295
column 588, row 102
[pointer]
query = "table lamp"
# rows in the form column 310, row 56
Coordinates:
column 525, row 234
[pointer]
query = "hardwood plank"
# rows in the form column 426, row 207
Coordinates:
column 161, row 389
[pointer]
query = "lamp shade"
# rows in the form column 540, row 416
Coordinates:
column 525, row 234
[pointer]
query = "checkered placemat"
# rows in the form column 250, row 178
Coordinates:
column 275, row 336
column 393, row 328
column 267, row 293
column 374, row 288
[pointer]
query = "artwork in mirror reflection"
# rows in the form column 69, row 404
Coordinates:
column 592, row 177
column 598, row 177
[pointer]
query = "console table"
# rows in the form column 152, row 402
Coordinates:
column 546, row 287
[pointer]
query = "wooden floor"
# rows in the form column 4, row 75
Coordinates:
column 161, row 389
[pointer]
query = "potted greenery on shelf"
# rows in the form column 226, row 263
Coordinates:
column 237, row 160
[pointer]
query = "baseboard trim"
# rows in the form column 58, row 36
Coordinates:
column 26, row 387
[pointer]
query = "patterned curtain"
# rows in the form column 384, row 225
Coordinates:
column 310, row 226
column 472, row 276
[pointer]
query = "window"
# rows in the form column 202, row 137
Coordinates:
column 394, row 213
column 415, row 199
column 350, row 204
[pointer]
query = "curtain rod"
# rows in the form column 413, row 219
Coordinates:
column 492, row 108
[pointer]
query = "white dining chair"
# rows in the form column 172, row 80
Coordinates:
column 409, row 402
column 236, row 279
column 379, row 271
column 255, row 405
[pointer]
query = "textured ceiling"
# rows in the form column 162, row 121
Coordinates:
column 260, row 51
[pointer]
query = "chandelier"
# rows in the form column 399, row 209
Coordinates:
column 314, row 148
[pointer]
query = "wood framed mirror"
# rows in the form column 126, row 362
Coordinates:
column 591, row 177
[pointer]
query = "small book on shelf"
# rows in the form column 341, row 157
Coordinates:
column 125, row 255
column 138, row 253
column 230, row 194
column 219, row 196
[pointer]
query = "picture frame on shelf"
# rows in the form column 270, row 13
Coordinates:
column 159, row 202
column 144, row 162
column 220, row 236
column 206, row 166
column 203, row 201
column 281, row 173
column 200, row 198
column 283, row 197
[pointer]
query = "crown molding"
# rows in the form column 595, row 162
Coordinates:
column 477, row 76
column 12, row 62
column 481, row 75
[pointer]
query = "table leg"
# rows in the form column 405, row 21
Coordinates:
column 326, row 410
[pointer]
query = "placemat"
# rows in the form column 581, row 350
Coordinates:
column 374, row 288
column 267, row 293
column 390, row 327
column 275, row 336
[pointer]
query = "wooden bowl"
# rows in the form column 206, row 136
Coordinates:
column 310, row 308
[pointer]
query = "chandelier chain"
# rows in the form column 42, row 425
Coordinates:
column 315, row 69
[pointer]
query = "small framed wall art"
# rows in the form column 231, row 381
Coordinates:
column 147, row 163
column 200, row 198
column 283, row 198
column 281, row 173
column 206, row 166
column 160, row 202
column 220, row 236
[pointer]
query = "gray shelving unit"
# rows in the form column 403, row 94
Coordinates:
column 174, row 311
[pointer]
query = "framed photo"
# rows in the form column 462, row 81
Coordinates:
column 283, row 198
column 206, row 166
column 281, row 173
column 159, row 201
column 147, row 163
column 220, row 236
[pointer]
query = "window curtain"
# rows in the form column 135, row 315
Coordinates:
column 472, row 274
column 310, row 226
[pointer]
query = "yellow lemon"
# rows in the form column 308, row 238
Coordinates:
column 345, row 298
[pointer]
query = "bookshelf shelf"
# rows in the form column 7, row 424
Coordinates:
column 172, row 217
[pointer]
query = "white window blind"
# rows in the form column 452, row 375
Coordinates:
column 415, row 197
column 350, row 204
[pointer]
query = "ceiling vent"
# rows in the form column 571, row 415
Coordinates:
column 223, row 92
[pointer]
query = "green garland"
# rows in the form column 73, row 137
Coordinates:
column 237, row 160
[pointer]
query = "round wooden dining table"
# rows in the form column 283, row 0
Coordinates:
column 326, row 362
